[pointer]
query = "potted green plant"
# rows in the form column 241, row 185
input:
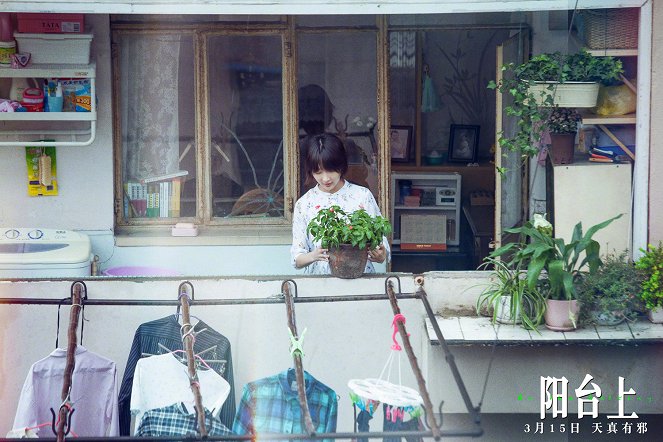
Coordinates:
column 541, row 83
column 348, row 237
column 651, row 263
column 538, row 251
column 563, row 126
column 611, row 294
column 508, row 297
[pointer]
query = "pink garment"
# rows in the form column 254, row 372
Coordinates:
column 93, row 394
column 8, row 105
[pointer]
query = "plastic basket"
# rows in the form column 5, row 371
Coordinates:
column 611, row 28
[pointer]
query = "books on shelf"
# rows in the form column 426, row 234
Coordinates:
column 155, row 197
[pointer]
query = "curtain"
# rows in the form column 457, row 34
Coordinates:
column 149, row 98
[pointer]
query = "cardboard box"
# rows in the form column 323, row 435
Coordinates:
column 50, row 23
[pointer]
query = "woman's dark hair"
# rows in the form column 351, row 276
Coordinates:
column 324, row 151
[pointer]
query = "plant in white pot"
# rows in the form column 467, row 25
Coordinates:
column 508, row 298
column 555, row 266
column 651, row 263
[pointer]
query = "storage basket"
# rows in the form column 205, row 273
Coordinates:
column 56, row 48
column 611, row 28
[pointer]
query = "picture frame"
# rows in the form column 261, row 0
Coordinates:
column 400, row 143
column 463, row 143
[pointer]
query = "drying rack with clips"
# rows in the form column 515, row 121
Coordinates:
column 186, row 299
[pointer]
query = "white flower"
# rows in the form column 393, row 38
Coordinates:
column 541, row 224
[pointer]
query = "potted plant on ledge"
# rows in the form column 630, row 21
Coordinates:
column 348, row 237
column 651, row 263
column 562, row 263
column 563, row 126
column 542, row 83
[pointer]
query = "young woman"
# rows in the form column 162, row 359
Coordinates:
column 326, row 163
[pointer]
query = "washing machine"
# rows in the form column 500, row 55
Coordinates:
column 44, row 253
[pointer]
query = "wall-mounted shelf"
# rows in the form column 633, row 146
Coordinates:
column 41, row 71
column 611, row 119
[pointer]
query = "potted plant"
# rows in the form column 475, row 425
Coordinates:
column 562, row 125
column 541, row 83
column 539, row 251
column 508, row 297
column 348, row 237
column 651, row 263
column 611, row 294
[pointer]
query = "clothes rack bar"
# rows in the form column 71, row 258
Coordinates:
column 297, row 356
column 218, row 301
column 428, row 405
column 184, row 295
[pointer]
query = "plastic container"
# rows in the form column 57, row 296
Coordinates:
column 7, row 49
column 140, row 271
column 6, row 27
column 56, row 48
column 50, row 23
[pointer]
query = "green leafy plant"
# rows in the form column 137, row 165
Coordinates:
column 612, row 292
column 563, row 120
column 333, row 227
column 526, row 304
column 539, row 251
column 532, row 111
column 651, row 263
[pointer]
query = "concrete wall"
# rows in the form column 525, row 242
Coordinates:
column 344, row 340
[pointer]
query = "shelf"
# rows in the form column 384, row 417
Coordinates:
column 48, row 116
column 447, row 168
column 610, row 119
column 613, row 52
column 449, row 208
column 50, row 71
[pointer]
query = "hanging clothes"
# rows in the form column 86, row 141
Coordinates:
column 177, row 420
column 395, row 422
column 430, row 102
column 271, row 405
column 93, row 394
column 162, row 380
column 166, row 331
column 363, row 424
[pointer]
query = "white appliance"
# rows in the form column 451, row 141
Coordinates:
column 43, row 253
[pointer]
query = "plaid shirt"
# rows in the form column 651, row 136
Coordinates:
column 271, row 405
column 175, row 420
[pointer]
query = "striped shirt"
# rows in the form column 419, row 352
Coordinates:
column 166, row 331
column 271, row 405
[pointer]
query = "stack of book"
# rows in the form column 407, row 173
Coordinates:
column 156, row 196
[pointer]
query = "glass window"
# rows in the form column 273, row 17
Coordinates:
column 337, row 77
column 157, row 124
column 246, row 125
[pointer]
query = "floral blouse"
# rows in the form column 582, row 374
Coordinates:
column 350, row 198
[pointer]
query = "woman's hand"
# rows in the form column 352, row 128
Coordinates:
column 378, row 254
column 319, row 254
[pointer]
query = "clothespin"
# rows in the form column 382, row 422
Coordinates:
column 296, row 344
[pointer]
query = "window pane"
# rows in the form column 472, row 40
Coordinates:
column 246, row 125
column 338, row 94
column 157, row 120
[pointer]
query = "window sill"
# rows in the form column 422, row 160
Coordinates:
column 231, row 236
column 480, row 331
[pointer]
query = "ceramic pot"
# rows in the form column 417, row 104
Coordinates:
column 347, row 261
column 561, row 148
column 655, row 315
column 503, row 314
column 559, row 313
column 569, row 94
column 608, row 317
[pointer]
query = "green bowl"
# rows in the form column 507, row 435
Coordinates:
column 433, row 161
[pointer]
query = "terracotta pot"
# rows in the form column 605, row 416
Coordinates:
column 559, row 313
column 561, row 148
column 347, row 262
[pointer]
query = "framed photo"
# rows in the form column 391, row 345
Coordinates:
column 463, row 143
column 400, row 143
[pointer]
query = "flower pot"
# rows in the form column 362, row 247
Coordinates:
column 570, row 94
column 607, row 317
column 347, row 261
column 655, row 315
column 503, row 314
column 562, row 147
column 561, row 315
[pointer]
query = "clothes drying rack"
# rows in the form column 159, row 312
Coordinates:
column 186, row 298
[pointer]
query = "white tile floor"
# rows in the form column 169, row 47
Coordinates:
column 465, row 330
